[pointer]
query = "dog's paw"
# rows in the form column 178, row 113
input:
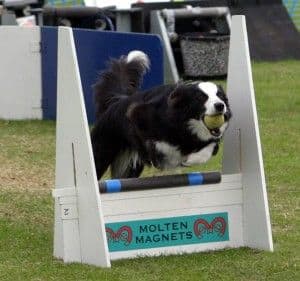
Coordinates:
column 140, row 57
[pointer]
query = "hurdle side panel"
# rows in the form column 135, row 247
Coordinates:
column 242, row 147
column 172, row 203
column 79, row 225
column 20, row 68
column 235, row 219
column 182, row 198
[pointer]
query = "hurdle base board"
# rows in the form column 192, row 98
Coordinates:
column 182, row 205
column 236, row 241
column 235, row 235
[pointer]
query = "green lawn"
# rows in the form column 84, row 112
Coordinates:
column 27, row 151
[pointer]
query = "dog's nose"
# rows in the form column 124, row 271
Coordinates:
column 219, row 106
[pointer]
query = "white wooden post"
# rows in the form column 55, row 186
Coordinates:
column 242, row 147
column 79, row 233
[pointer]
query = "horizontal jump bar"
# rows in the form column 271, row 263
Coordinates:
column 131, row 184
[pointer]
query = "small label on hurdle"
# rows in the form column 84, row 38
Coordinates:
column 67, row 198
column 69, row 212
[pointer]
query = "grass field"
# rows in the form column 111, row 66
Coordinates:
column 27, row 150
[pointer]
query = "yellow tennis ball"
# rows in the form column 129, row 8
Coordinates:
column 214, row 121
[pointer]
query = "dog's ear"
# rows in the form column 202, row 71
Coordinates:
column 176, row 97
column 222, row 94
column 142, row 116
column 220, row 88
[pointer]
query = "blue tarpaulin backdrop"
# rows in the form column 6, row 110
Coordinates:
column 94, row 48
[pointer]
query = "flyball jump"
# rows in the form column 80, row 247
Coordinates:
column 96, row 228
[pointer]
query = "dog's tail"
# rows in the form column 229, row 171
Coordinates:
column 122, row 78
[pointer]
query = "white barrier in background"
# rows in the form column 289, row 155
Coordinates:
column 93, row 228
column 20, row 73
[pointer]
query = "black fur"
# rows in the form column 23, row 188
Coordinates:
column 129, row 122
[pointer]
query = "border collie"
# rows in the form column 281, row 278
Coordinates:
column 162, row 126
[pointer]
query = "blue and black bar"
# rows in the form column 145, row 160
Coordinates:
column 132, row 184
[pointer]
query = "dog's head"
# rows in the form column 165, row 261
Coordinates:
column 175, row 119
column 184, row 107
column 189, row 103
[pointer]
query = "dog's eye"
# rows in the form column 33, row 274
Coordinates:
column 222, row 95
column 201, row 98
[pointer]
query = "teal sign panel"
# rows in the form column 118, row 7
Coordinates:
column 166, row 232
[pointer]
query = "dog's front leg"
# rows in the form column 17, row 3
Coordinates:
column 202, row 155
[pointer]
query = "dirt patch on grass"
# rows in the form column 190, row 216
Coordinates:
column 27, row 152
column 16, row 175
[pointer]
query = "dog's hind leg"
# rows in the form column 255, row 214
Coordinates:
column 126, row 165
column 103, row 158
column 135, row 171
column 104, row 154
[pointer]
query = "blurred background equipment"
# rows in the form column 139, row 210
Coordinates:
column 78, row 17
column 196, row 41
column 195, row 34
column 272, row 28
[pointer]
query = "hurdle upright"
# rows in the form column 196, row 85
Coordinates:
column 96, row 228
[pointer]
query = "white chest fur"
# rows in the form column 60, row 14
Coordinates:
column 201, row 156
column 172, row 156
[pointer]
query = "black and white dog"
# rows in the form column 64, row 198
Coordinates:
column 162, row 126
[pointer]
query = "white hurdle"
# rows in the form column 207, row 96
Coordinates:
column 96, row 228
